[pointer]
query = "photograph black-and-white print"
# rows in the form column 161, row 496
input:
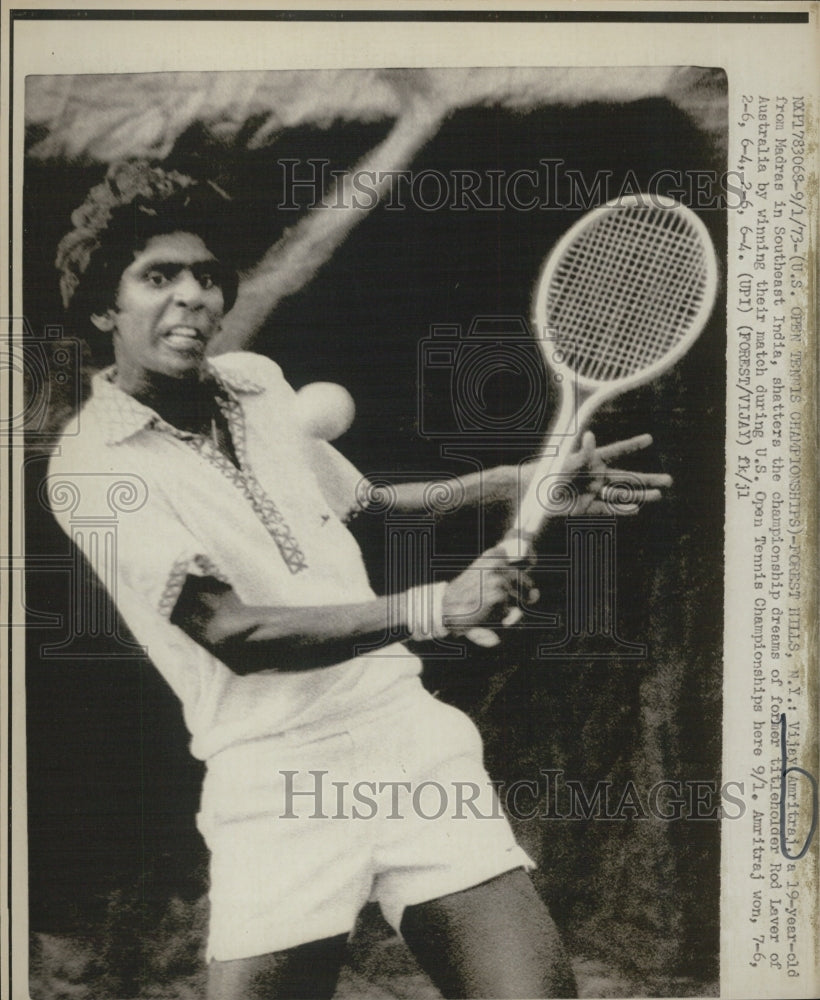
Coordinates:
column 374, row 532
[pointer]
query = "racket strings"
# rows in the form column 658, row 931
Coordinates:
column 626, row 324
column 626, row 291
column 628, row 253
column 681, row 293
column 675, row 296
column 609, row 310
column 629, row 322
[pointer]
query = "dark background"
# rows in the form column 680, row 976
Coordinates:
column 112, row 791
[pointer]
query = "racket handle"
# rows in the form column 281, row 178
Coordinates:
column 534, row 511
column 517, row 546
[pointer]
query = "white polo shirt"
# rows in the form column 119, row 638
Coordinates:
column 272, row 529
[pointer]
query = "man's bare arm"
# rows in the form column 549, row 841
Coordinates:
column 249, row 638
column 440, row 497
column 506, row 484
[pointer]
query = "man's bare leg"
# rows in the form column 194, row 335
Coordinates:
column 307, row 972
column 494, row 940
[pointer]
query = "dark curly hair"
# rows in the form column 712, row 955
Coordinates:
column 135, row 202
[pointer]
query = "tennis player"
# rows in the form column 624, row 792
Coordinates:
column 236, row 570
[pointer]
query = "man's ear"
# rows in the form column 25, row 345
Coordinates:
column 104, row 322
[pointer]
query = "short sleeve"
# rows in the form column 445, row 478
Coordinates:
column 253, row 369
column 342, row 485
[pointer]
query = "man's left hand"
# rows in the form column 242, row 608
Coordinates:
column 591, row 485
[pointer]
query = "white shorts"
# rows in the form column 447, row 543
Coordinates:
column 304, row 828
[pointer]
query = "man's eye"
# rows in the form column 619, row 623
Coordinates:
column 156, row 278
column 208, row 276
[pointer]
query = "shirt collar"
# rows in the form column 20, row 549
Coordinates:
column 123, row 415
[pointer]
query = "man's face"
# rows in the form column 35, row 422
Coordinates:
column 169, row 305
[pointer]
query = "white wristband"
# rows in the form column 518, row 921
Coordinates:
column 425, row 612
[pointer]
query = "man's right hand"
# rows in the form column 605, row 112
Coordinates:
column 490, row 592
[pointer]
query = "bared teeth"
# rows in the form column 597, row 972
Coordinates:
column 185, row 339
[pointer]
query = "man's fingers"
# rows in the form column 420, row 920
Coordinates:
column 496, row 558
column 627, row 447
column 628, row 495
column 623, row 507
column 662, row 480
column 516, row 582
column 512, row 617
column 612, row 477
column 650, row 496
column 484, row 637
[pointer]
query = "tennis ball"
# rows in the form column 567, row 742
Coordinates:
column 325, row 409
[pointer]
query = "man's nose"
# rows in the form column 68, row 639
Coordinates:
column 187, row 289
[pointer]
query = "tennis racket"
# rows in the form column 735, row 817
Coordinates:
column 622, row 296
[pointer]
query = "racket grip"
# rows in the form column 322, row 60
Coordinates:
column 517, row 546
column 538, row 504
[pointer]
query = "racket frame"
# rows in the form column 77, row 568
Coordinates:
column 581, row 395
